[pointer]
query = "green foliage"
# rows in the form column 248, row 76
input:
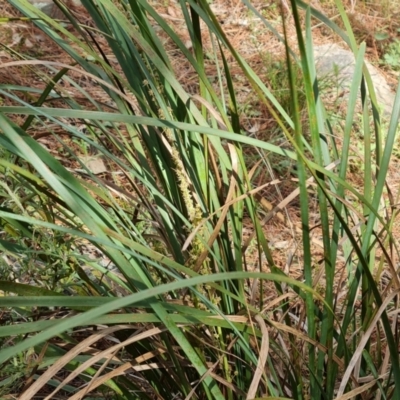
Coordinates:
column 163, row 306
column 391, row 58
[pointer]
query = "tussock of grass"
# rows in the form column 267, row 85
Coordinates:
column 173, row 272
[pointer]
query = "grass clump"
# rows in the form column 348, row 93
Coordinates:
column 148, row 291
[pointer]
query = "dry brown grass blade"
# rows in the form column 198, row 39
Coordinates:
column 278, row 300
column 59, row 364
column 303, row 337
column 232, row 318
column 118, row 371
column 358, row 353
column 262, row 358
column 98, row 381
column 229, row 385
column 353, row 393
column 91, row 386
column 254, row 169
column 211, row 110
column 104, row 354
column 214, row 166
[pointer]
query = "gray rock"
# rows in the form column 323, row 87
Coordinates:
column 337, row 65
column 49, row 8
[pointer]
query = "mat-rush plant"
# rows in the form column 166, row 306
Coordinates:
column 176, row 317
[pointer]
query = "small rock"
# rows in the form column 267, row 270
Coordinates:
column 50, row 8
column 337, row 64
column 94, row 164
